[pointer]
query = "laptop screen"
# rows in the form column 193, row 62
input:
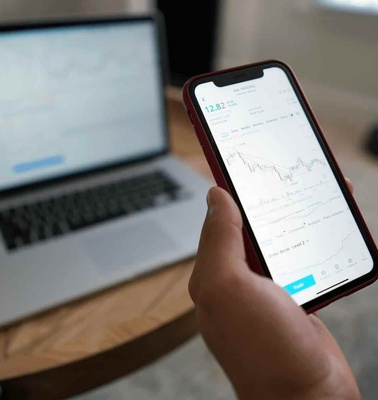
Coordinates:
column 78, row 97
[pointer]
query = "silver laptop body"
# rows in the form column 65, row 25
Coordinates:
column 82, row 108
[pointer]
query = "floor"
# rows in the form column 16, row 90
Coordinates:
column 191, row 373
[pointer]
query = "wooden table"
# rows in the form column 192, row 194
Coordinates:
column 89, row 342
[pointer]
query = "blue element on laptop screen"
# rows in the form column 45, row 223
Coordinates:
column 37, row 164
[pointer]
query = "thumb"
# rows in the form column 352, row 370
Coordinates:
column 221, row 237
column 221, row 246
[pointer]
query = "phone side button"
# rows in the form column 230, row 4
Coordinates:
column 191, row 117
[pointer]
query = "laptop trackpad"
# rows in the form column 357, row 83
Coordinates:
column 128, row 247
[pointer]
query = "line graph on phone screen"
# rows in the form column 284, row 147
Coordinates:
column 273, row 191
column 292, row 200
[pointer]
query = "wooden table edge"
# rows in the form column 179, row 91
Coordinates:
column 96, row 370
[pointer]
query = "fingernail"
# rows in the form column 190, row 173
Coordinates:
column 209, row 198
column 210, row 202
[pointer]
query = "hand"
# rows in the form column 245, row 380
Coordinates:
column 267, row 345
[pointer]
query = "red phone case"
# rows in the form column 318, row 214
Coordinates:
column 216, row 170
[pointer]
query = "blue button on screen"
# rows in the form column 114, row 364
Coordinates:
column 300, row 284
column 38, row 164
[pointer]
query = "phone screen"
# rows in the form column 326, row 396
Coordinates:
column 297, row 212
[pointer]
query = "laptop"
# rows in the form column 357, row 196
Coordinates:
column 90, row 193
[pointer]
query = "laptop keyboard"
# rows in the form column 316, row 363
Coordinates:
column 32, row 223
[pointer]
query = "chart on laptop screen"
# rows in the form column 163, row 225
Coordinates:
column 75, row 98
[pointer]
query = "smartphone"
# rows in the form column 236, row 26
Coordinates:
column 302, row 226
